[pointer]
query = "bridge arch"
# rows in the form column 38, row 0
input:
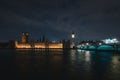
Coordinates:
column 92, row 47
column 105, row 47
column 98, row 47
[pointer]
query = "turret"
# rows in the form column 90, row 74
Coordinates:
column 25, row 37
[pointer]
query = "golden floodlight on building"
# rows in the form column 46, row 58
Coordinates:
column 25, row 37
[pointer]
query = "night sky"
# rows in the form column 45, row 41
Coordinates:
column 56, row 19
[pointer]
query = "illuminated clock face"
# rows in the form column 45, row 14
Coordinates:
column 73, row 36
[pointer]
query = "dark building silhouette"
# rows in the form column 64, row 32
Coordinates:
column 4, row 45
column 11, row 44
column 43, row 39
column 66, row 44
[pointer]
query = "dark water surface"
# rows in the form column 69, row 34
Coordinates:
column 59, row 65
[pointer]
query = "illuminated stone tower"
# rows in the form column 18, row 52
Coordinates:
column 25, row 37
column 73, row 40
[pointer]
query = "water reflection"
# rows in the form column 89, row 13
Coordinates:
column 84, row 54
column 73, row 55
column 87, row 56
column 115, row 63
column 29, row 64
column 61, row 65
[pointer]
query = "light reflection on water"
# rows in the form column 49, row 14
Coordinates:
column 60, row 65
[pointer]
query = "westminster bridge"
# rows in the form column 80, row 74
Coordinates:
column 98, row 46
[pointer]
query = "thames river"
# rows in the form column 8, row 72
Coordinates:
column 59, row 65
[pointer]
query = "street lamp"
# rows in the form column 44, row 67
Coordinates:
column 87, row 44
column 100, row 43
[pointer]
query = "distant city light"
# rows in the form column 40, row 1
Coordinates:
column 27, row 34
column 110, row 41
column 54, row 41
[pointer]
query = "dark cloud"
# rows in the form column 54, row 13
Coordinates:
column 90, row 19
